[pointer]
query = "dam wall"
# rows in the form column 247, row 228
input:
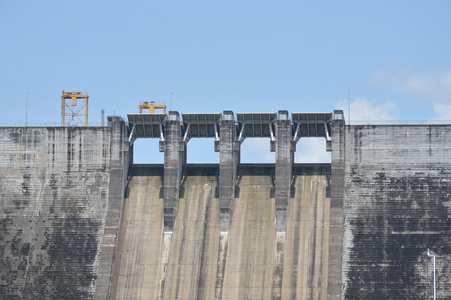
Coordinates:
column 397, row 205
column 58, row 186
column 79, row 220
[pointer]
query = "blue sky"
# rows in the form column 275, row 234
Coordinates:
column 245, row 56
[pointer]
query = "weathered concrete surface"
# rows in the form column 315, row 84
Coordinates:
column 229, row 159
column 174, row 159
column 306, row 250
column 284, row 148
column 198, row 261
column 54, row 198
column 143, row 249
column 120, row 158
column 336, row 207
column 358, row 228
column 397, row 204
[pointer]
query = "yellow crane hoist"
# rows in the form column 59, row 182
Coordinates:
column 151, row 106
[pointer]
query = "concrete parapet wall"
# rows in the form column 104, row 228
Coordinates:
column 397, row 204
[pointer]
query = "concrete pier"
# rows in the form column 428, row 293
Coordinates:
column 174, row 159
column 229, row 159
column 336, row 229
column 119, row 166
column 284, row 148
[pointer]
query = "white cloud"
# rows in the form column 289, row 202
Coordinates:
column 443, row 111
column 308, row 150
column 256, row 150
column 312, row 150
column 367, row 111
column 433, row 87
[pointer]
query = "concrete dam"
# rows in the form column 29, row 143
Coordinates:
column 80, row 220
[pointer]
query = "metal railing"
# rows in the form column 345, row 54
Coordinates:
column 44, row 124
column 399, row 122
column 353, row 122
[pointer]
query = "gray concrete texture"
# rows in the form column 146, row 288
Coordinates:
column 54, row 192
column 77, row 223
column 397, row 204
column 284, row 161
column 250, row 261
column 174, row 159
column 228, row 148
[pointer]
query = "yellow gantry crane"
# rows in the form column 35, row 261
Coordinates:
column 74, row 111
column 151, row 106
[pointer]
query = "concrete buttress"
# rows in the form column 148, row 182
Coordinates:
column 336, row 206
column 174, row 160
column 118, row 176
column 284, row 162
column 229, row 153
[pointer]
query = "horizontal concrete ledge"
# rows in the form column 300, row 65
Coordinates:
column 247, row 169
column 243, row 169
column 262, row 165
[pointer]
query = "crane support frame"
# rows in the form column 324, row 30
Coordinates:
column 74, row 108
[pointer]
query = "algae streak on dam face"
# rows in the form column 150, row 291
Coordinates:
column 250, row 261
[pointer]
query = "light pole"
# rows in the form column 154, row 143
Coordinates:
column 170, row 105
column 26, row 108
column 433, row 262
